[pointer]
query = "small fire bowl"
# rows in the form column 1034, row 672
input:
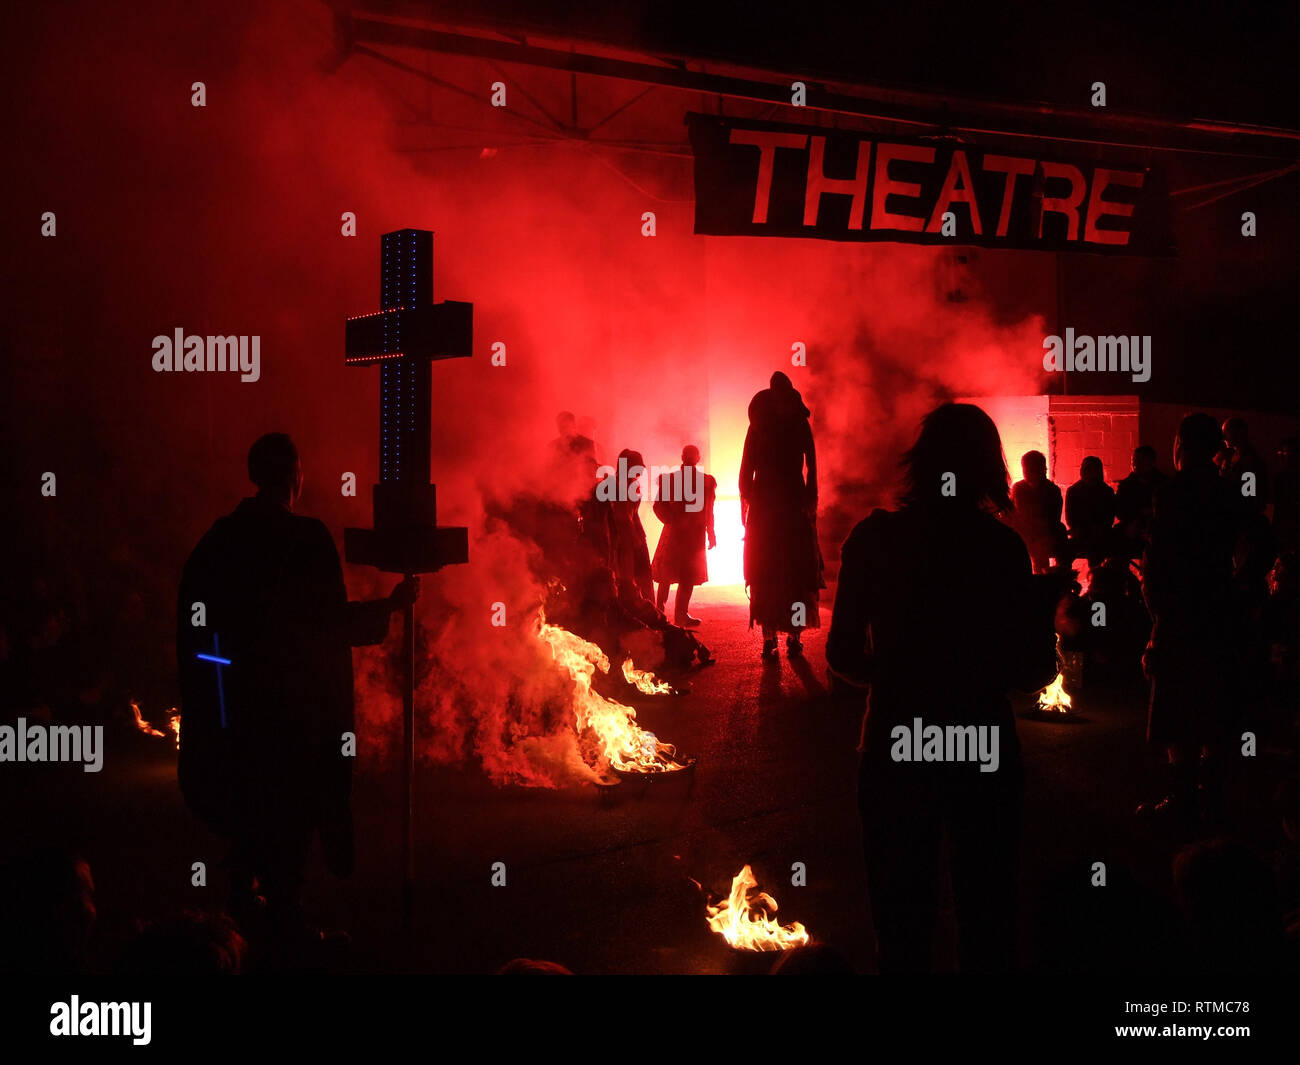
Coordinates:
column 1071, row 717
column 750, row 962
column 682, row 768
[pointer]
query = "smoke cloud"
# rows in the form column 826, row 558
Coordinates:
column 226, row 219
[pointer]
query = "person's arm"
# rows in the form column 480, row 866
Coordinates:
column 1073, row 519
column 365, row 622
column 663, row 506
column 746, row 475
column 810, row 457
column 1031, row 635
column 846, row 643
column 368, row 619
column 710, row 497
column 1126, row 508
column 1156, row 560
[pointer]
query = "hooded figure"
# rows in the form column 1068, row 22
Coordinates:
column 778, row 506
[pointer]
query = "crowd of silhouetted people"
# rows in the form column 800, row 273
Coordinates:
column 946, row 605
column 956, row 599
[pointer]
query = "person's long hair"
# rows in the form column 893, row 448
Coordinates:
column 957, row 459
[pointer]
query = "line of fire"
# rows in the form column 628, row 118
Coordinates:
column 793, row 504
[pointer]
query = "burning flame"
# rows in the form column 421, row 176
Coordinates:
column 1054, row 698
column 142, row 724
column 173, row 723
column 747, row 922
column 644, row 680
column 619, row 742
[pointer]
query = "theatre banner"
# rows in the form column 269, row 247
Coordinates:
column 767, row 179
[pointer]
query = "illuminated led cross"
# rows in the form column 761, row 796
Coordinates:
column 404, row 338
column 216, row 659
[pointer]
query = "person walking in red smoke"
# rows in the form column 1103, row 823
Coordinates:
column 684, row 503
column 778, row 506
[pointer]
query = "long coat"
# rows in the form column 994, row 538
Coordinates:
column 267, row 744
column 782, row 559
column 681, row 555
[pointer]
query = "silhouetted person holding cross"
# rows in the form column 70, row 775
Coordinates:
column 263, row 642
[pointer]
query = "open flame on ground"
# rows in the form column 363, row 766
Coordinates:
column 747, row 918
column 608, row 734
column 173, row 724
column 1054, row 699
column 644, row 680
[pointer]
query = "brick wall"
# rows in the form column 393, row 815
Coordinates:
column 1078, row 426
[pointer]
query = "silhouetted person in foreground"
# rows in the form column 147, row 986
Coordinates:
column 188, row 944
column 1237, row 457
column 1089, row 512
column 1229, row 900
column 1134, row 500
column 262, row 759
column 937, row 614
column 1286, row 496
column 47, row 913
column 778, row 507
column 1187, row 579
column 1036, row 513
column 684, row 503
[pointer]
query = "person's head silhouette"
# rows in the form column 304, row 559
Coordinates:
column 1033, row 464
column 957, row 458
column 1199, row 440
column 276, row 469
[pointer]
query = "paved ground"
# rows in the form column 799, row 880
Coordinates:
column 603, row 882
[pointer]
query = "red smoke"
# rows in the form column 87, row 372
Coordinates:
column 226, row 219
